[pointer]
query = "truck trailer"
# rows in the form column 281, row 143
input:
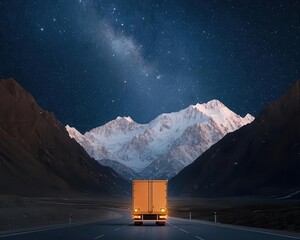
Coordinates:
column 149, row 201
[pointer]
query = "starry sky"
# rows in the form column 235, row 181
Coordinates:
column 89, row 61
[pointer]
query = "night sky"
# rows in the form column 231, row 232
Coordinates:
column 89, row 61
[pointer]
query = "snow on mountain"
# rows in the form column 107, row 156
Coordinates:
column 90, row 144
column 161, row 148
column 120, row 168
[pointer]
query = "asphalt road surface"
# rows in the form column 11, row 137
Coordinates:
column 123, row 228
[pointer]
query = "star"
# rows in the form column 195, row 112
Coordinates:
column 155, row 44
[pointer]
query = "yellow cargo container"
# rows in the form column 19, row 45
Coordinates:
column 149, row 201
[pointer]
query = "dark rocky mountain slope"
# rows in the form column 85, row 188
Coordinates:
column 37, row 156
column 262, row 158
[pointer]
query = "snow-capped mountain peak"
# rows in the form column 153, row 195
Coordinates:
column 128, row 119
column 121, row 127
column 74, row 133
column 165, row 145
column 212, row 104
column 248, row 118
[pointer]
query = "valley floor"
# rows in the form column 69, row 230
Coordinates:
column 26, row 212
column 22, row 212
column 250, row 212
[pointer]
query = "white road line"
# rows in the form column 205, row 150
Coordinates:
column 199, row 238
column 183, row 230
column 238, row 228
column 175, row 226
column 42, row 230
column 116, row 229
column 60, row 226
column 274, row 234
column 98, row 237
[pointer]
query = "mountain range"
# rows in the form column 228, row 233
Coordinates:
column 163, row 147
column 37, row 156
column 240, row 156
column 261, row 158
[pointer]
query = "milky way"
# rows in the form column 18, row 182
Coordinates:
column 90, row 61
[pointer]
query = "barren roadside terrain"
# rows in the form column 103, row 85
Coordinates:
column 261, row 213
column 27, row 212
column 24, row 212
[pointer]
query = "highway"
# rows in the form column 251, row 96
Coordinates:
column 123, row 228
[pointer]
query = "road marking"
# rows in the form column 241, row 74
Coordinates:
column 183, row 230
column 98, row 237
column 54, row 227
column 274, row 234
column 175, row 226
column 46, row 229
column 236, row 227
column 199, row 238
column 116, row 229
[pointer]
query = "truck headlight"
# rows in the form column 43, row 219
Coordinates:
column 137, row 217
column 162, row 217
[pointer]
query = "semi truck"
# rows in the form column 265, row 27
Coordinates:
column 149, row 201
